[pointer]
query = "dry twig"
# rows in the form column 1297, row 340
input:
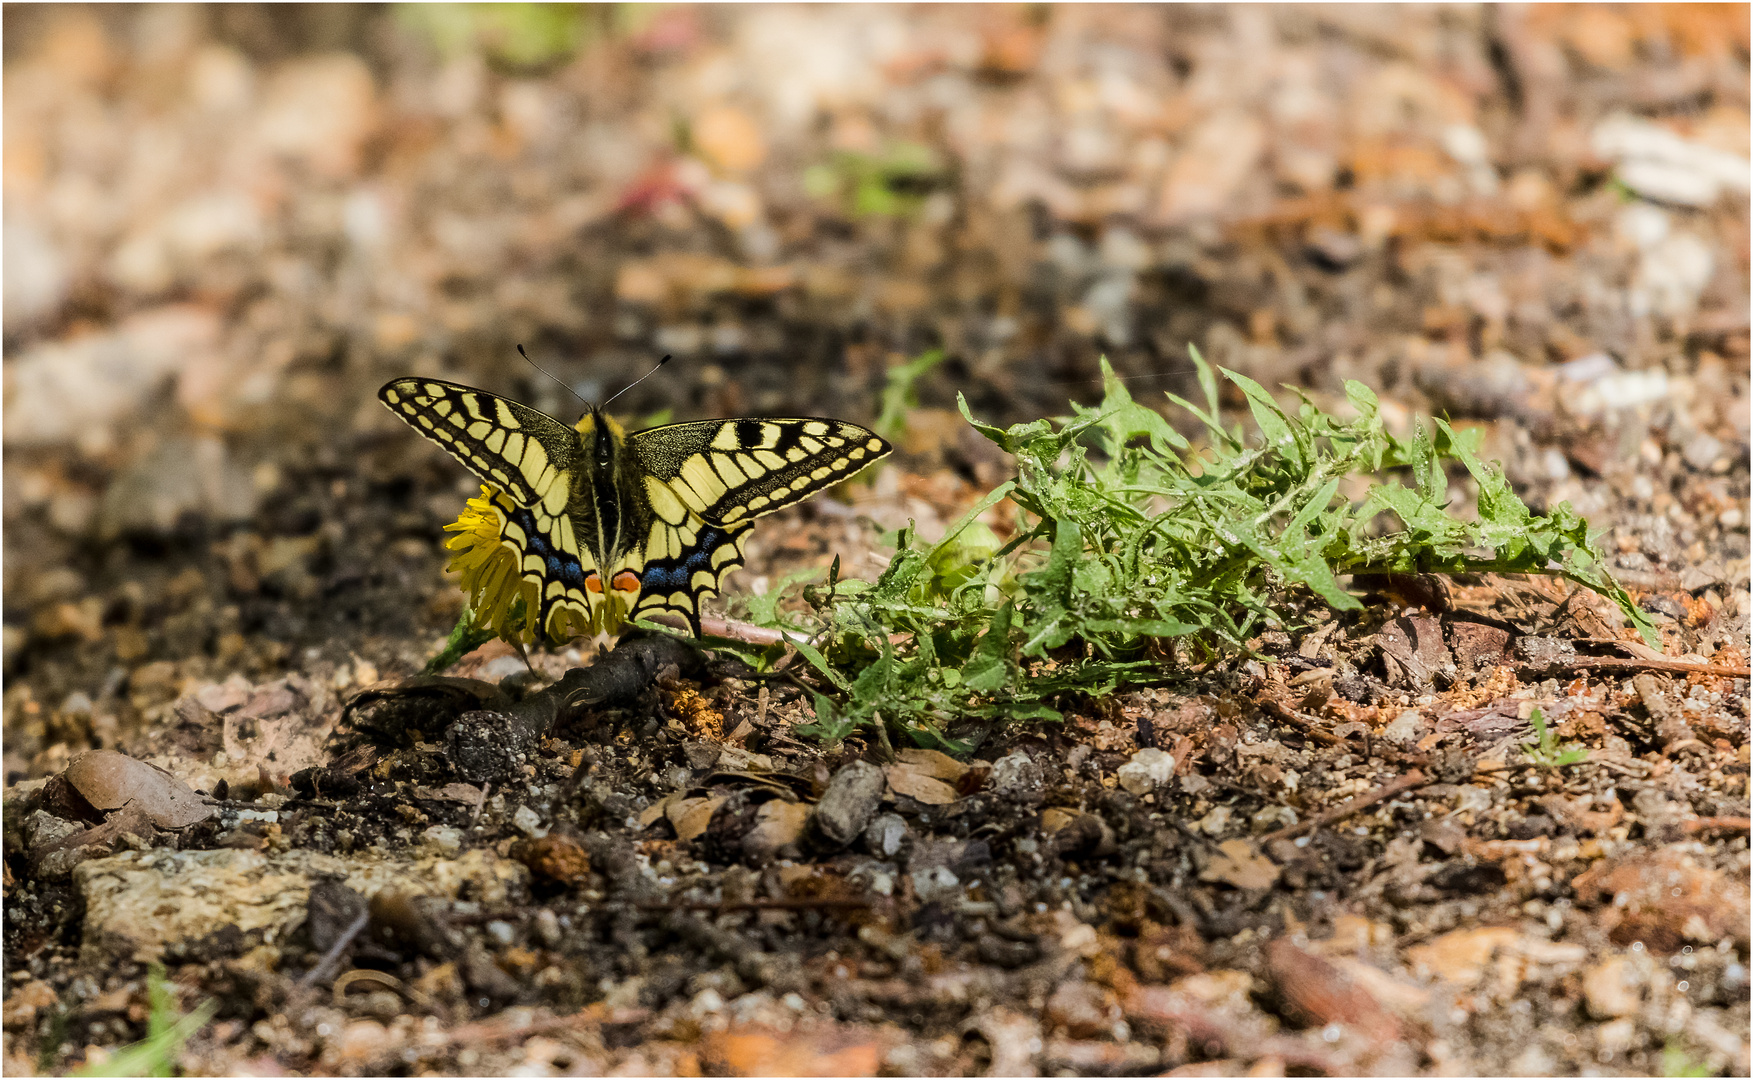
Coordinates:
column 330, row 958
column 1300, row 722
column 1620, row 663
column 1413, row 779
column 747, row 633
column 1718, row 824
column 804, row 904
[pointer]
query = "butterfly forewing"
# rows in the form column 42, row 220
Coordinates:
column 525, row 453
column 731, row 471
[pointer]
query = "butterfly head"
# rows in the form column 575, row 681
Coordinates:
column 602, row 434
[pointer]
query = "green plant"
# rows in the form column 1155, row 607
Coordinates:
column 1677, row 1062
column 518, row 37
column 166, row 1032
column 900, row 395
column 464, row 638
column 1133, row 550
column 1543, row 748
column 893, row 183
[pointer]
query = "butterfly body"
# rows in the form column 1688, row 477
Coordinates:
column 600, row 525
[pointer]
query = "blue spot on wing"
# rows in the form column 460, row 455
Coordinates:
column 671, row 574
column 664, row 577
column 560, row 565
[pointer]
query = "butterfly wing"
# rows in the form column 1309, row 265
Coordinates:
column 706, row 482
column 685, row 562
column 531, row 458
column 730, row 471
column 523, row 452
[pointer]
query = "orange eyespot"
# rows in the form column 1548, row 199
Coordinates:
column 626, row 581
column 593, row 583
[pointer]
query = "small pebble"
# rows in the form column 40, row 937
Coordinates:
column 446, row 838
column 528, row 821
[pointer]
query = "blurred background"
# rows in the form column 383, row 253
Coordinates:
column 225, row 226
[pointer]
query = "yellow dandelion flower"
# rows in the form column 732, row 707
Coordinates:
column 501, row 599
column 498, row 595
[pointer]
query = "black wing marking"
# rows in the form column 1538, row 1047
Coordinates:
column 550, row 558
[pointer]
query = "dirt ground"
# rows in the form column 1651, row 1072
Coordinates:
column 226, row 226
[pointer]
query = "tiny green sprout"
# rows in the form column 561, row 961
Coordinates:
column 166, row 1032
column 1677, row 1062
column 1544, row 750
column 892, row 183
column 465, row 637
column 900, row 395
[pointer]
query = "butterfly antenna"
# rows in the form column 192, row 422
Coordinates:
column 636, row 382
column 551, row 375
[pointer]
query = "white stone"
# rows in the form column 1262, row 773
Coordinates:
column 1406, row 728
column 1659, row 164
column 1613, row 988
column 936, row 883
column 1148, row 770
column 528, row 821
column 447, row 839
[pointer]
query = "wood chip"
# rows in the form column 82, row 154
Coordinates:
column 1239, row 863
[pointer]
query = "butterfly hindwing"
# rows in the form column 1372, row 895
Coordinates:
column 561, row 568
column 523, row 452
column 730, row 471
column 549, row 558
column 684, row 562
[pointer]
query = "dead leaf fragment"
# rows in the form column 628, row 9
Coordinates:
column 778, row 822
column 932, row 763
column 1413, row 652
column 1406, row 1000
column 658, row 809
column 1323, row 994
column 917, row 782
column 1239, row 863
column 1665, row 900
column 109, row 780
column 691, row 816
column 836, row 1050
